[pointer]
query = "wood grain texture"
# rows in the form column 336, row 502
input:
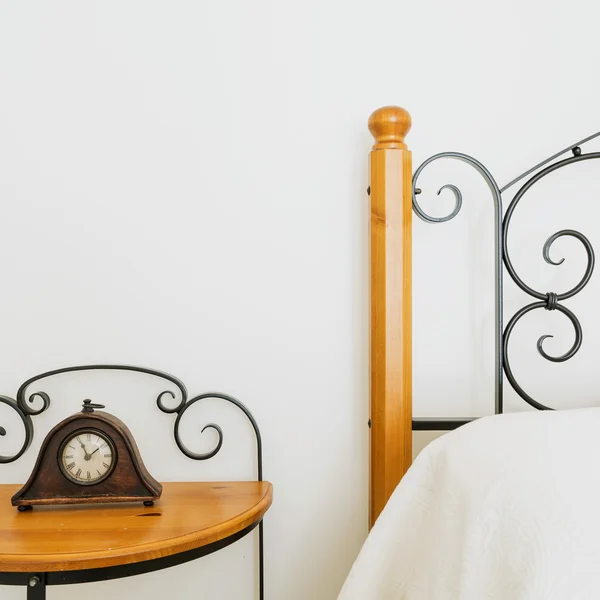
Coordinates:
column 391, row 304
column 188, row 516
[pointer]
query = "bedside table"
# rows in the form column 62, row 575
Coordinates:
column 73, row 544
column 78, row 543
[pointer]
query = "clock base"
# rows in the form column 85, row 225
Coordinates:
column 25, row 504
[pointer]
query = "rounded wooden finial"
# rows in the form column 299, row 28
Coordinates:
column 389, row 125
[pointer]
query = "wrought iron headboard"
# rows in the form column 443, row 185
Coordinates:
column 547, row 301
column 394, row 192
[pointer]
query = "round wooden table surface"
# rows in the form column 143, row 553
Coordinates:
column 188, row 515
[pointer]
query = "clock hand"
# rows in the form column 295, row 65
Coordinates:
column 87, row 456
column 94, row 452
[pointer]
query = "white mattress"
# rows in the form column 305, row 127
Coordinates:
column 505, row 508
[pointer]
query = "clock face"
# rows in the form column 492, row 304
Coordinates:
column 87, row 457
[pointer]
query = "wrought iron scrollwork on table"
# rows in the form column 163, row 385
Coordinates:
column 25, row 409
column 184, row 405
column 544, row 300
column 27, row 406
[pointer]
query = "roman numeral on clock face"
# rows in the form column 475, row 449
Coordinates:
column 95, row 449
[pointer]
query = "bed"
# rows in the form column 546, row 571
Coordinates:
column 503, row 507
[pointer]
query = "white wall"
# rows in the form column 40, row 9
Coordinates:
column 183, row 186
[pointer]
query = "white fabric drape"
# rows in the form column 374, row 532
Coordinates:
column 505, row 508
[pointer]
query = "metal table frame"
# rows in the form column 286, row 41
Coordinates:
column 28, row 405
column 37, row 582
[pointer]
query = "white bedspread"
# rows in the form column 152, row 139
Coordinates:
column 505, row 508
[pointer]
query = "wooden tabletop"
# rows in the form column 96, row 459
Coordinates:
column 66, row 538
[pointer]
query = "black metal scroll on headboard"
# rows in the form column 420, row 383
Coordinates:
column 548, row 301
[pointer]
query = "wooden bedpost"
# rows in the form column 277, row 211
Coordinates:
column 391, row 299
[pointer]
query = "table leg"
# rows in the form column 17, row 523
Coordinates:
column 36, row 587
column 261, row 563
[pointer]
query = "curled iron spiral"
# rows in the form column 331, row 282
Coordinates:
column 458, row 197
column 548, row 301
column 548, row 244
column 182, row 408
column 540, row 346
column 22, row 392
column 27, row 425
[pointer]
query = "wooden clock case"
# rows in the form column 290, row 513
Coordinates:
column 129, row 481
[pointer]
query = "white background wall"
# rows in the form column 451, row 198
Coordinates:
column 183, row 186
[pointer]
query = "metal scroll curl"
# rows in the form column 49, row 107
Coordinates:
column 183, row 407
column 546, row 250
column 548, row 301
column 497, row 200
column 540, row 345
column 22, row 398
column 458, row 197
column 27, row 425
column 25, row 409
column 24, row 412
